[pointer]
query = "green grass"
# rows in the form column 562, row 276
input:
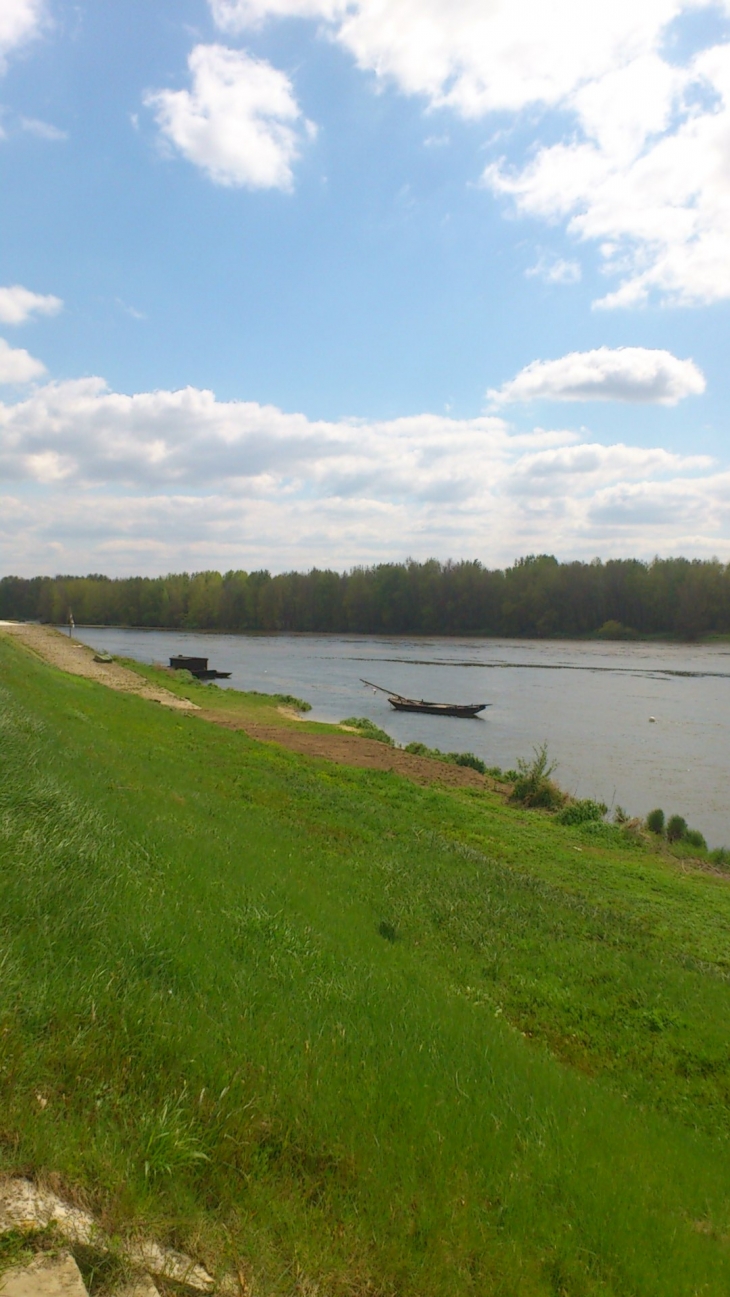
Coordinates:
column 346, row 1030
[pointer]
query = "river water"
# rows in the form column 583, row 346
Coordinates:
column 590, row 702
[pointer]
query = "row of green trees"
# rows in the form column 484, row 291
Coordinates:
column 538, row 596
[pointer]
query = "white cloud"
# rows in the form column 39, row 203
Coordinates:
column 20, row 21
column 17, row 365
column 18, row 304
column 240, row 122
column 474, row 56
column 162, row 479
column 647, row 180
column 641, row 167
column 624, row 374
column 43, row 130
column 557, row 271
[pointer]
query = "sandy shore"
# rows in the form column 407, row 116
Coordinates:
column 78, row 660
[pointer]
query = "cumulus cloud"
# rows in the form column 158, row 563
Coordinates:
column 622, row 374
column 240, row 122
column 646, row 179
column 641, row 169
column 18, row 304
column 17, row 365
column 20, row 21
column 154, row 479
column 471, row 56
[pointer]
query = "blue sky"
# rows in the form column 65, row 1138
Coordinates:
column 286, row 282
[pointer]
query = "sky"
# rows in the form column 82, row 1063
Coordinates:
column 295, row 283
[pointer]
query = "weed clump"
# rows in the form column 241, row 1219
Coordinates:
column 533, row 785
column 582, row 812
column 368, row 729
column 655, row 822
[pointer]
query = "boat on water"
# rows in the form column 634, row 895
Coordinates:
column 197, row 667
column 401, row 704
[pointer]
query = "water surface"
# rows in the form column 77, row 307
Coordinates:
column 590, row 702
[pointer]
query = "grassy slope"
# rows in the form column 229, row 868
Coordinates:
column 203, row 1024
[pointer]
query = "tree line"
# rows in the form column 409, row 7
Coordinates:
column 537, row 596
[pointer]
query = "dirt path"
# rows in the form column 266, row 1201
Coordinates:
column 343, row 748
column 78, row 660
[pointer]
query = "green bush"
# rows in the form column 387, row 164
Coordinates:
column 720, row 856
column 620, row 816
column 467, row 759
column 616, row 630
column 533, row 785
column 676, row 828
column 695, row 839
column 655, row 822
column 581, row 812
column 368, row 729
column 454, row 758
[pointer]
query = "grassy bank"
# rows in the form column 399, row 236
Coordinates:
column 347, row 1030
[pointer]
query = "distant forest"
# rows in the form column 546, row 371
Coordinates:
column 537, row 596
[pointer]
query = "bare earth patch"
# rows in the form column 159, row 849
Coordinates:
column 349, row 749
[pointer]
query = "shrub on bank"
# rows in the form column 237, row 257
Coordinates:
column 615, row 630
column 582, row 812
column 676, row 828
column 655, row 822
column 533, row 785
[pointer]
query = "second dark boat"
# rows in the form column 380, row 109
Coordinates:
column 197, row 667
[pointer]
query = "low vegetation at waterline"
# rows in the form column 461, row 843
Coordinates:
column 340, row 1032
column 368, row 729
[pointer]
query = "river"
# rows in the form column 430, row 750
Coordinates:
column 590, row 702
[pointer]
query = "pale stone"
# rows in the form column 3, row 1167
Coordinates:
column 26, row 1207
column 45, row 1276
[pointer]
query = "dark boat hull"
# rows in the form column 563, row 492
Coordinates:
column 437, row 709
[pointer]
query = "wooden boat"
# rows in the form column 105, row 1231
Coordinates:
column 402, row 704
column 197, row 667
